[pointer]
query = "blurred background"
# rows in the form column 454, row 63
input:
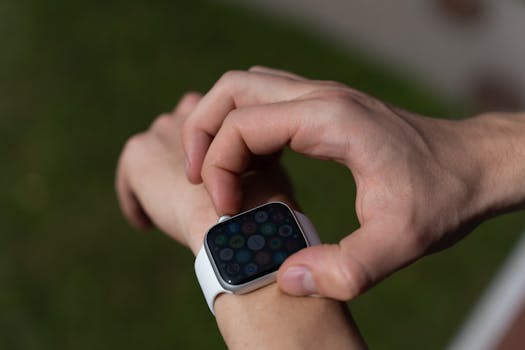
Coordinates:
column 77, row 78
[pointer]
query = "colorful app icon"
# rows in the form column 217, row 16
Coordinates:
column 279, row 257
column 226, row 254
column 268, row 229
column 249, row 227
column 262, row 258
column 243, row 256
column 261, row 216
column 236, row 241
column 256, row 242
column 285, row 230
column 275, row 243
column 220, row 240
column 250, row 269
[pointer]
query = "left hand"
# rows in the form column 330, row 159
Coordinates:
column 152, row 187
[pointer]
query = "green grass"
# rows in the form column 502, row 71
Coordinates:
column 76, row 80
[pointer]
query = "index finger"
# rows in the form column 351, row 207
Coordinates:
column 233, row 90
column 262, row 130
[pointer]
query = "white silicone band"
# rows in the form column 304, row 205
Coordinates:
column 206, row 275
column 208, row 281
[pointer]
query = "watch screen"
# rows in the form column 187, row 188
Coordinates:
column 254, row 243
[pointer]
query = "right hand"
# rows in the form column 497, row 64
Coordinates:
column 421, row 182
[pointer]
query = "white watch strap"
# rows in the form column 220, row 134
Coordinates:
column 206, row 275
column 308, row 228
column 207, row 279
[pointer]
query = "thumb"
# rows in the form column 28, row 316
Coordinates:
column 345, row 270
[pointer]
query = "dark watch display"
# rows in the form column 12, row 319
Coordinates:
column 254, row 243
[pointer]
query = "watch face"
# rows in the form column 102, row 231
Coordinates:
column 254, row 243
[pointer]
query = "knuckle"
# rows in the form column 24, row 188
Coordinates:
column 355, row 281
column 187, row 126
column 343, row 96
column 356, row 275
column 344, row 101
column 162, row 122
column 192, row 122
column 190, row 99
column 134, row 142
column 335, row 84
column 133, row 145
column 188, row 129
column 190, row 95
column 332, row 103
column 334, row 96
column 230, row 77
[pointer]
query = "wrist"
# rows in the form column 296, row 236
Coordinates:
column 497, row 145
column 199, row 223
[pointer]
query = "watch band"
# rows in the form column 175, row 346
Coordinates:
column 208, row 281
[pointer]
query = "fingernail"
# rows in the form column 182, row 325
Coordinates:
column 299, row 281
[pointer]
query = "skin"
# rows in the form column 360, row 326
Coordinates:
column 151, row 181
column 422, row 183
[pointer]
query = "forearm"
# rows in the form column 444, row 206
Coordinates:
column 498, row 146
column 269, row 319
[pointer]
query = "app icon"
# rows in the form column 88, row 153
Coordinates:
column 233, row 227
column 263, row 258
column 243, row 256
column 285, row 230
column 226, row 254
column 250, row 269
column 279, row 257
column 233, row 268
column 275, row 243
column 268, row 229
column 236, row 241
column 220, row 239
column 249, row 227
column 256, row 242
column 261, row 216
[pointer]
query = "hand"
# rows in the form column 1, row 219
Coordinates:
column 153, row 189
column 150, row 184
column 422, row 183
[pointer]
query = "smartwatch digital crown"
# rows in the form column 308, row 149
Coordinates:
column 243, row 253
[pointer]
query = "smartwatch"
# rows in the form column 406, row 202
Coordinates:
column 243, row 253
